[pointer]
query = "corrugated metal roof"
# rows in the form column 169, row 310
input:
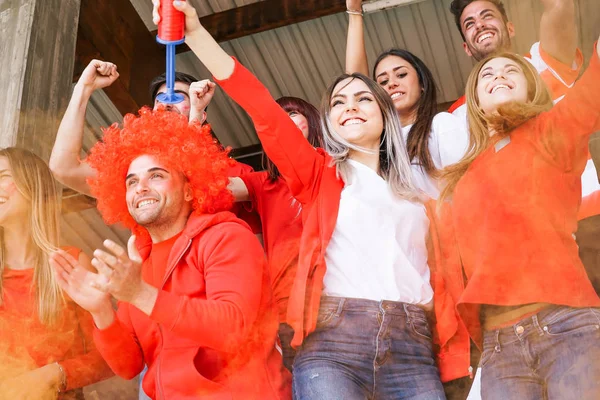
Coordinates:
column 302, row 59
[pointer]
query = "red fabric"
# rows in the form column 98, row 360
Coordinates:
column 515, row 211
column 314, row 182
column 462, row 100
column 280, row 217
column 212, row 331
column 27, row 344
column 244, row 210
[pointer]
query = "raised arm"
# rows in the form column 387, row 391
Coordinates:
column 558, row 33
column 563, row 132
column 298, row 162
column 64, row 160
column 356, row 54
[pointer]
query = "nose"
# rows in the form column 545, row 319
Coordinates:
column 141, row 186
column 479, row 24
column 351, row 105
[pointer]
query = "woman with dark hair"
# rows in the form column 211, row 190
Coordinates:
column 46, row 345
column 433, row 140
column 362, row 292
column 279, row 215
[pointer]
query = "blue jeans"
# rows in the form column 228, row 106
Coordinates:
column 364, row 349
column 555, row 354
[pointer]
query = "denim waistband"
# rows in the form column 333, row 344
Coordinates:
column 365, row 305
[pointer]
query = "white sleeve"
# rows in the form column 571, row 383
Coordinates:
column 452, row 137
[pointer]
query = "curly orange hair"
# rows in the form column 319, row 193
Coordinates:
column 178, row 145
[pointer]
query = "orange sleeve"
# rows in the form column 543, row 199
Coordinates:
column 298, row 162
column 119, row 346
column 234, row 264
column 565, row 72
column 89, row 367
column 563, row 132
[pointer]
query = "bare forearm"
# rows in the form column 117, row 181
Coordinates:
column 356, row 54
column 558, row 31
column 208, row 51
column 64, row 160
column 104, row 317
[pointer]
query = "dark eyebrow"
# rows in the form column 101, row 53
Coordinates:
column 481, row 13
column 150, row 170
column 361, row 93
column 394, row 70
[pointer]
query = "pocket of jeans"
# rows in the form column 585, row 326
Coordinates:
column 325, row 317
column 486, row 356
column 421, row 328
column 577, row 321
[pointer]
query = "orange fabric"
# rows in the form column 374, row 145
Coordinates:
column 515, row 211
column 27, row 344
column 313, row 181
column 212, row 331
column 282, row 227
column 244, row 210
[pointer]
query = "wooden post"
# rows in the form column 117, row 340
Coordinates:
column 37, row 53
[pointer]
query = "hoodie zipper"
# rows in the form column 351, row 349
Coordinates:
column 161, row 395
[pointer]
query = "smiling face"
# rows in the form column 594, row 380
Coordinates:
column 180, row 108
column 156, row 196
column 401, row 81
column 500, row 81
column 14, row 207
column 355, row 115
column 485, row 30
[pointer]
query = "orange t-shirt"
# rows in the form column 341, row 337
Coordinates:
column 515, row 209
column 27, row 344
column 280, row 216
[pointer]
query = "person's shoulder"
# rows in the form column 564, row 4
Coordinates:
column 444, row 122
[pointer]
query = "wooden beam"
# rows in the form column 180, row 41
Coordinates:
column 263, row 16
column 112, row 30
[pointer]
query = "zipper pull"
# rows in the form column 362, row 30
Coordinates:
column 471, row 375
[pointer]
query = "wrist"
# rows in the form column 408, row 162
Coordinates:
column 103, row 317
column 145, row 298
column 354, row 13
column 83, row 90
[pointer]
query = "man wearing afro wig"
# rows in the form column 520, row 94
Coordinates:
column 193, row 290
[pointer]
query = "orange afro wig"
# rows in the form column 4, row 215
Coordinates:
column 178, row 145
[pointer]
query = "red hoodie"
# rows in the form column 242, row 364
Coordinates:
column 212, row 331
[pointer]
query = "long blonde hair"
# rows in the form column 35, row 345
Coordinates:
column 394, row 165
column 35, row 182
column 507, row 118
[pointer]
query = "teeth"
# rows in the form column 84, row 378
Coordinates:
column 501, row 86
column 145, row 203
column 3, row 200
column 354, row 121
column 483, row 37
column 396, row 95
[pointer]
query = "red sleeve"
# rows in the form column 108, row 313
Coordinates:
column 89, row 367
column 119, row 346
column 234, row 264
column 254, row 183
column 563, row 132
column 461, row 100
column 298, row 162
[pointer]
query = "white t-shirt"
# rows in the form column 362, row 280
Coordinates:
column 448, row 143
column 378, row 249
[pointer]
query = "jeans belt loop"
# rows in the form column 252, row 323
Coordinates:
column 341, row 303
